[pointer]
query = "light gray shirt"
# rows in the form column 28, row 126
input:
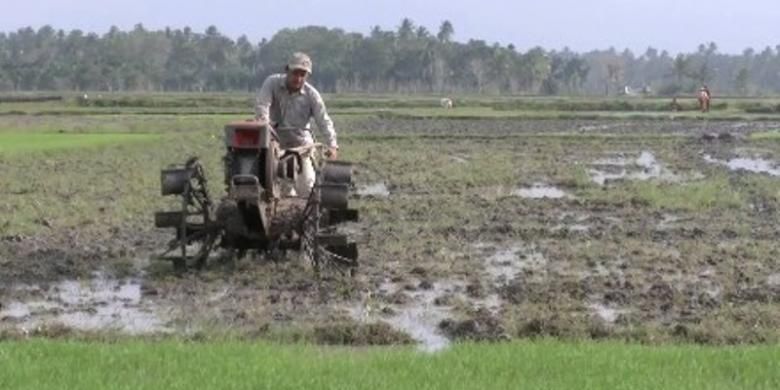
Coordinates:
column 290, row 113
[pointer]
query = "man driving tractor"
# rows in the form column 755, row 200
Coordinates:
column 287, row 102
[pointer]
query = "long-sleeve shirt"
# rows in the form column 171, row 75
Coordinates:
column 290, row 113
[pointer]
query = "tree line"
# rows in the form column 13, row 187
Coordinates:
column 408, row 59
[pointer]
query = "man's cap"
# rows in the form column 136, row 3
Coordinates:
column 300, row 61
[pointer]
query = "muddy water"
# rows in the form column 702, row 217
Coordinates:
column 422, row 315
column 572, row 222
column 505, row 263
column 92, row 305
column 502, row 265
column 419, row 319
column 540, row 191
column 575, row 228
column 535, row 191
column 606, row 313
column 378, row 190
column 620, row 167
column 755, row 165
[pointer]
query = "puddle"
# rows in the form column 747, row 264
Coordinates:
column 755, row 165
column 421, row 322
column 670, row 221
column 572, row 222
column 421, row 315
column 97, row 304
column 643, row 167
column 419, row 319
column 601, row 177
column 575, row 228
column 606, row 313
column 15, row 311
column 773, row 280
column 504, row 264
column 703, row 281
column 378, row 190
column 540, row 191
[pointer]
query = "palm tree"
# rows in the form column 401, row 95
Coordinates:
column 406, row 29
column 446, row 31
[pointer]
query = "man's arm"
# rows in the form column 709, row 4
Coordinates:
column 264, row 99
column 323, row 120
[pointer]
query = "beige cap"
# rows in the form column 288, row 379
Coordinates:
column 300, row 61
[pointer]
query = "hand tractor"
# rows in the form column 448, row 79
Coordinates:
column 259, row 213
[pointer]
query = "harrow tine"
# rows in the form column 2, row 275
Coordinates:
column 177, row 243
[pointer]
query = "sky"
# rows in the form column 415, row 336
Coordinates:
column 581, row 25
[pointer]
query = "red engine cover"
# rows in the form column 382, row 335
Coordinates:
column 246, row 135
column 246, row 138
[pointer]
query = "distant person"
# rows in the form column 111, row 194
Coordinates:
column 288, row 103
column 704, row 98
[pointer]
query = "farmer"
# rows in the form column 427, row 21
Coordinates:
column 288, row 103
column 705, row 98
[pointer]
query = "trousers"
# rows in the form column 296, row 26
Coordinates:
column 304, row 181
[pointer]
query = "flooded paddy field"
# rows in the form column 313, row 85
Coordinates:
column 489, row 229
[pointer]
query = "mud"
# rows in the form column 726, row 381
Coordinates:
column 645, row 166
column 373, row 190
column 96, row 304
column 516, row 229
column 747, row 164
column 606, row 313
column 418, row 314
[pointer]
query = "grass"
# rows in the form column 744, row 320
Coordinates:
column 772, row 135
column 41, row 364
column 19, row 143
column 712, row 193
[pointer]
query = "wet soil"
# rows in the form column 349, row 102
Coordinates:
column 511, row 229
